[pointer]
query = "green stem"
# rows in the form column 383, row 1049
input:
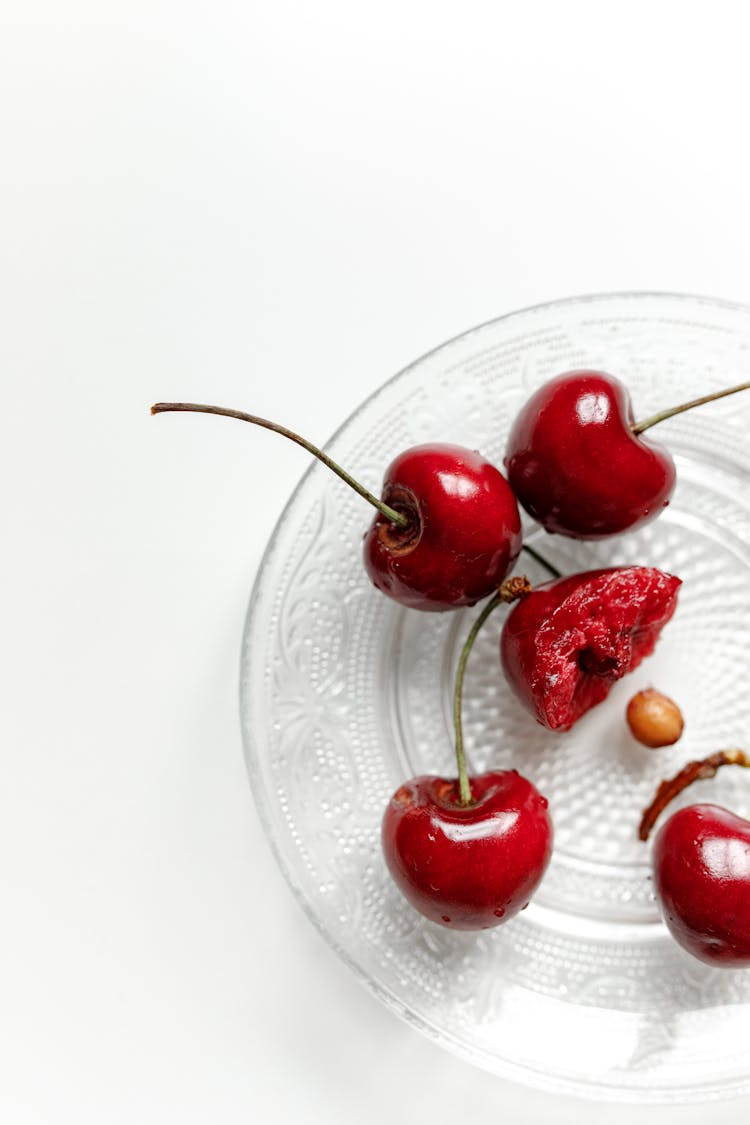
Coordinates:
column 542, row 561
column 510, row 590
column 390, row 514
column 654, row 420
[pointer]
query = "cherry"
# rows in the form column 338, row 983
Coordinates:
column 577, row 462
column 463, row 534
column 471, row 866
column 468, row 853
column 565, row 645
column 447, row 529
column 701, row 868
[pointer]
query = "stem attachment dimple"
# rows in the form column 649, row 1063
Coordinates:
column 394, row 517
column 510, row 591
column 654, row 420
column 693, row 771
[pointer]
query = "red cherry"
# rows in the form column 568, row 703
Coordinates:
column 701, row 864
column 564, row 645
column 577, row 462
column 463, row 533
column 468, row 853
column 468, row 866
column 576, row 465
column 447, row 530
column 701, row 868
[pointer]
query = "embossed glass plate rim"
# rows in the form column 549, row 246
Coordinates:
column 502, row 1067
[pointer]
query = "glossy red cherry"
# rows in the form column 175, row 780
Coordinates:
column 471, row 866
column 468, row 852
column 701, row 864
column 701, row 869
column 576, row 465
column 463, row 532
column 447, row 530
column 564, row 645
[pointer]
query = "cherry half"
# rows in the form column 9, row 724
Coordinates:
column 701, row 868
column 447, row 529
column 468, row 853
column 578, row 464
column 565, row 645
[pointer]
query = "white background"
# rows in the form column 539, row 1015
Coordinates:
column 274, row 206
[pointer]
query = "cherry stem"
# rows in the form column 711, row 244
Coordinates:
column 654, row 420
column 698, row 770
column 397, row 518
column 510, row 591
column 542, row 561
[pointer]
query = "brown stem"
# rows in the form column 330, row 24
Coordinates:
column 694, row 771
column 647, row 423
column 394, row 517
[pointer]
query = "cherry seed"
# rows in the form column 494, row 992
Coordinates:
column 654, row 719
column 468, row 852
column 701, row 868
column 578, row 464
column 446, row 531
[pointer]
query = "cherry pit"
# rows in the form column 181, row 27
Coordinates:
column 469, row 851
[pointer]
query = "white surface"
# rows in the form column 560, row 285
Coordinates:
column 273, row 206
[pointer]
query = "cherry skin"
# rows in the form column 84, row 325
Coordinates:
column 463, row 533
column 701, row 865
column 566, row 643
column 467, row 867
column 575, row 464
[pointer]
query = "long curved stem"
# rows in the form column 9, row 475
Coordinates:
column 510, row 590
column 654, row 420
column 390, row 514
column 693, row 771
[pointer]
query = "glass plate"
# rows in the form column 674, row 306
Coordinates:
column 344, row 695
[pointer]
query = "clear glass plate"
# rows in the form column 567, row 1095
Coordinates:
column 344, row 695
